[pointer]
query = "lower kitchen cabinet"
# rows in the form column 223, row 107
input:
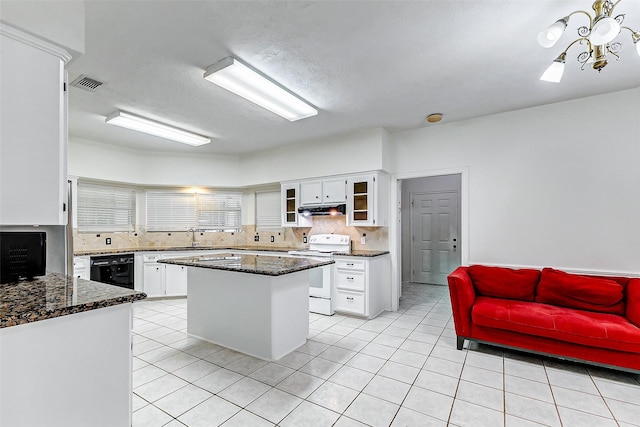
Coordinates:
column 175, row 280
column 81, row 268
column 362, row 285
column 165, row 280
column 154, row 279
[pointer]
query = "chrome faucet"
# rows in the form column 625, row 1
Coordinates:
column 193, row 237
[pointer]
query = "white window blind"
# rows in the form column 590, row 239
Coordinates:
column 170, row 211
column 175, row 211
column 219, row 211
column 105, row 208
column 268, row 210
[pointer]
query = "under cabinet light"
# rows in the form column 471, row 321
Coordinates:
column 238, row 78
column 151, row 127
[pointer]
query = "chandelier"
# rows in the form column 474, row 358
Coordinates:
column 598, row 39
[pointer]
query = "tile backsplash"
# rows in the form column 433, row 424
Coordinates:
column 377, row 238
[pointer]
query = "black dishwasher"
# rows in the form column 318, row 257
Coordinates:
column 113, row 269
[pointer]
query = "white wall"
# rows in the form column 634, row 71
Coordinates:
column 91, row 159
column 355, row 152
column 60, row 22
column 556, row 185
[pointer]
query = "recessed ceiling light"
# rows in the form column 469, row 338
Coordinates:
column 242, row 80
column 151, row 127
column 434, row 118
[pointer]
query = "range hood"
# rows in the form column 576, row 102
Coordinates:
column 324, row 209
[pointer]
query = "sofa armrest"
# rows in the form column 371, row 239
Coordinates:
column 463, row 295
column 633, row 301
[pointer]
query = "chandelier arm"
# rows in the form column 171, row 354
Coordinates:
column 614, row 6
column 585, row 12
column 631, row 30
column 576, row 41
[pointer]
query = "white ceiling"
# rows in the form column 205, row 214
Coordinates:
column 363, row 64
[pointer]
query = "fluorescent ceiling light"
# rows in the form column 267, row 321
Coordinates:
column 131, row 121
column 238, row 78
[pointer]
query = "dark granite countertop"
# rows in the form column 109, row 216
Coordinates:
column 185, row 249
column 53, row 295
column 269, row 265
column 362, row 253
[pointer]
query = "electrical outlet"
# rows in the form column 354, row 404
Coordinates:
column 304, row 239
column 273, row 239
column 256, row 238
column 363, row 239
column 108, row 240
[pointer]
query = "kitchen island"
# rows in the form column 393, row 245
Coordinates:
column 65, row 353
column 255, row 304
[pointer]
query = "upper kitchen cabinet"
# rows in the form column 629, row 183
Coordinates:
column 33, row 130
column 290, row 205
column 368, row 200
column 331, row 190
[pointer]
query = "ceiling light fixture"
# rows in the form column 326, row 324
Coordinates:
column 599, row 38
column 238, row 78
column 151, row 127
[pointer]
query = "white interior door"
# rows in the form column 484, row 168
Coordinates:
column 434, row 236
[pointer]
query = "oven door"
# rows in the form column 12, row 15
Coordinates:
column 320, row 279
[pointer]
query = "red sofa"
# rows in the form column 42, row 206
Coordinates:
column 594, row 319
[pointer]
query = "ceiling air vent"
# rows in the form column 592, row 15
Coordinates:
column 86, row 83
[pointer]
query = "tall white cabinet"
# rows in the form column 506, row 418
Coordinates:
column 33, row 130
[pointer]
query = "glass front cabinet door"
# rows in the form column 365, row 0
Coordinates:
column 360, row 200
column 290, row 204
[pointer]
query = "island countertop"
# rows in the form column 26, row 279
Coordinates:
column 267, row 265
column 55, row 295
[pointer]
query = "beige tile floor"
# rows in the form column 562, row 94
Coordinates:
column 400, row 369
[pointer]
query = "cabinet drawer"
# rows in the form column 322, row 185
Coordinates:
column 350, row 301
column 350, row 279
column 350, row 264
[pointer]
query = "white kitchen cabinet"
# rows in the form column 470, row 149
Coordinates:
column 368, row 200
column 166, row 280
column 33, row 130
column 330, row 190
column 362, row 285
column 290, row 204
column 175, row 280
column 81, row 267
column 154, row 279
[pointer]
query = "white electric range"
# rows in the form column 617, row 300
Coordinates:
column 322, row 288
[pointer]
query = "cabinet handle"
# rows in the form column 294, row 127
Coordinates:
column 350, row 264
column 349, row 278
column 350, row 298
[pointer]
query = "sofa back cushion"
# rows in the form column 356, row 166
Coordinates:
column 580, row 292
column 500, row 282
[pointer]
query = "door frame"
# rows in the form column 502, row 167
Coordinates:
column 395, row 225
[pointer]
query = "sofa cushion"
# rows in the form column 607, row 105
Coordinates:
column 580, row 292
column 503, row 282
column 576, row 326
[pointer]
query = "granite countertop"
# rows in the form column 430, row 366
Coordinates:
column 268, row 265
column 359, row 253
column 53, row 295
column 184, row 249
column 362, row 253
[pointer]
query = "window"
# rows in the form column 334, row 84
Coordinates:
column 268, row 210
column 105, row 208
column 175, row 211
